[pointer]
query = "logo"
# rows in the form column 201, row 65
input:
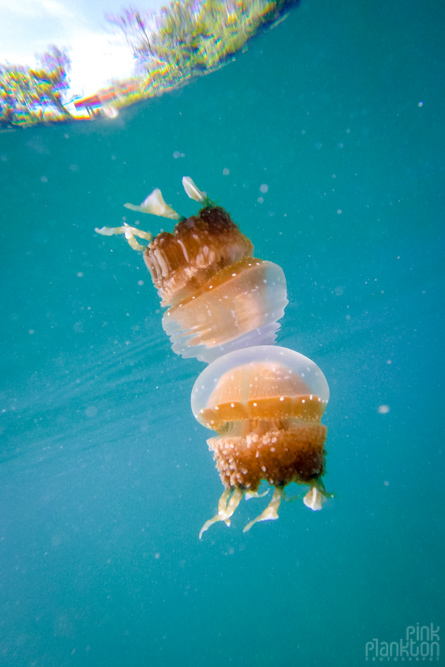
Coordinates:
column 420, row 644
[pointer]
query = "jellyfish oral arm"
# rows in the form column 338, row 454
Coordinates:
column 129, row 232
column 155, row 205
column 313, row 499
column 194, row 192
column 271, row 511
column 225, row 509
column 316, row 497
column 254, row 494
column 191, row 190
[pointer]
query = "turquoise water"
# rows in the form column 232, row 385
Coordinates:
column 105, row 475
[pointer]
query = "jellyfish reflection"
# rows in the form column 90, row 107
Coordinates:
column 265, row 403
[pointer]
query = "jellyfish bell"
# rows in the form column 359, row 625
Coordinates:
column 265, row 404
column 239, row 306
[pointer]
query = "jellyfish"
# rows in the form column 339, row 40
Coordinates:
column 265, row 403
column 218, row 296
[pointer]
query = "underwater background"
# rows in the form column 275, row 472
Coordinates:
column 105, row 476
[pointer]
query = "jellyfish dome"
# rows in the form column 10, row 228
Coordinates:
column 238, row 307
column 265, row 404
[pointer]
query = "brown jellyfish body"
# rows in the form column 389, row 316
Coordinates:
column 182, row 261
column 265, row 403
column 220, row 297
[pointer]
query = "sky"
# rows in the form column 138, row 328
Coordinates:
column 97, row 50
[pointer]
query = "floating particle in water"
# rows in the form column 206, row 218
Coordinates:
column 383, row 409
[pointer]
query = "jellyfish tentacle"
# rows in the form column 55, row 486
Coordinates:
column 317, row 495
column 233, row 503
column 254, row 494
column 154, row 204
column 226, row 508
column 192, row 190
column 290, row 499
column 129, row 233
column 222, row 503
column 313, row 499
column 222, row 508
column 271, row 511
column 224, row 499
column 195, row 193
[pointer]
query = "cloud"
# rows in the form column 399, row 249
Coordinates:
column 96, row 59
column 35, row 8
column 55, row 8
column 28, row 27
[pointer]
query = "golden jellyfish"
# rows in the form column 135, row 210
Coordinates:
column 218, row 296
column 265, row 404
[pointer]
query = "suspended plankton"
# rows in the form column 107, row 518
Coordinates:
column 265, row 404
column 218, row 296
